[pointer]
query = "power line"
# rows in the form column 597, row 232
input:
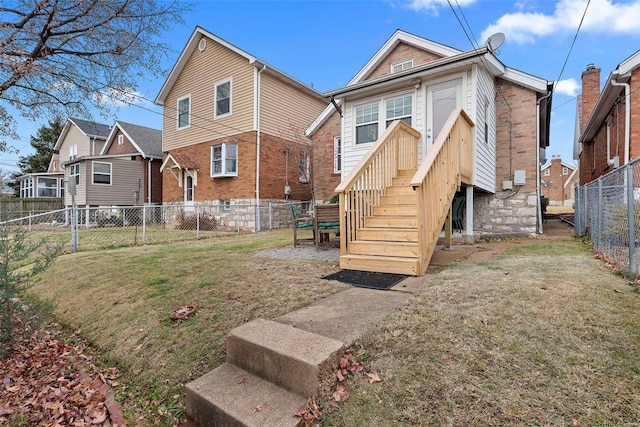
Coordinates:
column 573, row 42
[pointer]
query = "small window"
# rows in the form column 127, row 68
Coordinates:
column 47, row 187
column 225, row 205
column 102, row 173
column 224, row 160
column 184, row 112
column 202, row 44
column 366, row 123
column 304, row 167
column 26, row 188
column 223, row 99
column 401, row 65
column 399, row 109
column 74, row 173
column 565, row 171
column 547, row 172
column 120, row 139
column 337, row 154
column 73, row 152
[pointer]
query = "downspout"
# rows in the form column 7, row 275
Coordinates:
column 258, row 106
column 627, row 115
column 538, row 192
column 149, row 181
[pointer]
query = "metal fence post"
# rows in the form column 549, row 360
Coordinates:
column 144, row 224
column 74, row 228
column 197, row 222
column 632, row 223
column 598, row 235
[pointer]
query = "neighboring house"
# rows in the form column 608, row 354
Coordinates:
column 397, row 182
column 43, row 185
column 559, row 180
column 234, row 131
column 608, row 122
column 124, row 172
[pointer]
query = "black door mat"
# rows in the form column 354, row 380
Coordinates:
column 367, row 279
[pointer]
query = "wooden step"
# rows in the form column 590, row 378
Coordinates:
column 395, row 210
column 400, row 190
column 382, row 248
column 231, row 396
column 389, row 234
column 380, row 264
column 406, row 172
column 398, row 199
column 401, row 181
column 384, row 221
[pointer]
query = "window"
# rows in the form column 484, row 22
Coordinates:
column 565, row 171
column 223, row 99
column 304, row 166
column 120, row 139
column 47, row 187
column 366, row 123
column 402, row 65
column 73, row 152
column 101, row 173
column 184, row 112
column 547, row 172
column 225, row 205
column 74, row 172
column 337, row 154
column 188, row 188
column 26, row 188
column 399, row 109
column 224, row 160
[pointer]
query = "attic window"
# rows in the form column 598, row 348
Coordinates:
column 120, row 139
column 401, row 65
column 202, row 45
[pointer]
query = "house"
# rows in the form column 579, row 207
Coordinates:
column 115, row 165
column 559, row 180
column 607, row 121
column 43, row 185
column 420, row 124
column 234, row 133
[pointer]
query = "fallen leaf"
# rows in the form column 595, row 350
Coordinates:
column 339, row 375
column 341, row 394
column 301, row 411
column 485, row 321
column 258, row 408
column 243, row 380
column 373, row 377
column 618, row 291
column 506, row 273
column 576, row 423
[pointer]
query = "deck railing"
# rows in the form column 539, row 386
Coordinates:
column 449, row 162
column 396, row 149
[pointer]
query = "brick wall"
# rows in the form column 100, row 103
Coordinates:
column 555, row 189
column 324, row 179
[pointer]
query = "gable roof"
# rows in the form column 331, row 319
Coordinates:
column 449, row 56
column 90, row 129
column 147, row 141
column 192, row 44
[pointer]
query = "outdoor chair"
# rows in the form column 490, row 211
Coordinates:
column 301, row 223
column 327, row 220
column 457, row 213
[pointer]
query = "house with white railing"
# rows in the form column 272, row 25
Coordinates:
column 424, row 127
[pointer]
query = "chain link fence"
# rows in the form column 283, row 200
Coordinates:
column 91, row 228
column 608, row 213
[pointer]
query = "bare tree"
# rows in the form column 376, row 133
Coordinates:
column 65, row 57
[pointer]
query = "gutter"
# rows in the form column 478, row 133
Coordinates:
column 627, row 115
column 538, row 190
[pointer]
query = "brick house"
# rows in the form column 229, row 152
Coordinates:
column 607, row 121
column 559, row 180
column 234, row 132
column 435, row 90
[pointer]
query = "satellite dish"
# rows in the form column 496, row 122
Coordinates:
column 495, row 41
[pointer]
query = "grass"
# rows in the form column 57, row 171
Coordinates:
column 121, row 300
column 537, row 336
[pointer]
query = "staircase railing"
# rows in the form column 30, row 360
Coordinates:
column 447, row 163
column 396, row 149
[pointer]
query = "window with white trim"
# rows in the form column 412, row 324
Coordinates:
column 367, row 123
column 401, row 65
column 47, row 187
column 224, row 160
column 184, row 112
column 120, row 139
column 547, row 172
column 222, row 94
column 74, row 172
column 101, row 173
column 304, row 167
column 565, row 171
column 337, row 154
column 399, row 108
column 26, row 188
column 73, row 151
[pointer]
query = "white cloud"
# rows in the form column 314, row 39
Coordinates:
column 433, row 6
column 567, row 87
column 120, row 98
column 603, row 16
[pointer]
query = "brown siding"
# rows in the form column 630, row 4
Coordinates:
column 126, row 147
column 400, row 52
column 324, row 179
column 202, row 71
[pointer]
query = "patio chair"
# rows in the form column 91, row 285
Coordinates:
column 301, row 223
column 457, row 213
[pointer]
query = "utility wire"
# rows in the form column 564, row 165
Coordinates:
column 572, row 44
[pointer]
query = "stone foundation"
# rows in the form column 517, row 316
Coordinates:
column 497, row 214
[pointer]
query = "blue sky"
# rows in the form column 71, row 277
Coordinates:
column 324, row 43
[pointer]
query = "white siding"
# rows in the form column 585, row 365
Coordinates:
column 484, row 151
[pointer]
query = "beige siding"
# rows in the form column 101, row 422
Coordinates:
column 285, row 109
column 399, row 53
column 485, row 149
column 80, row 188
column 202, row 71
column 125, row 174
column 75, row 137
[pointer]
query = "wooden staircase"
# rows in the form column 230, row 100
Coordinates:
column 389, row 239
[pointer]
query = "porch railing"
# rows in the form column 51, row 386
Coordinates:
column 449, row 162
column 396, row 149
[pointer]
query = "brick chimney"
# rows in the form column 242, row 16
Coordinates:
column 590, row 93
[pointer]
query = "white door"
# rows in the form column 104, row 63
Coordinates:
column 188, row 191
column 442, row 99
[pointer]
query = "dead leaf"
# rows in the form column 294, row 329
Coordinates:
column 243, row 380
column 576, row 423
column 258, row 408
column 506, row 273
column 485, row 321
column 339, row 375
column 373, row 377
column 341, row 394
column 301, row 411
column 618, row 291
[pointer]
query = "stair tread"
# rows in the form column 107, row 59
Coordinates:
column 229, row 395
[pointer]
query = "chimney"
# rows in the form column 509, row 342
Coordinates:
column 590, row 93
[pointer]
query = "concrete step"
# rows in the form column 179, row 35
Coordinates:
column 230, row 396
column 291, row 358
column 389, row 234
column 381, row 248
column 380, row 264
